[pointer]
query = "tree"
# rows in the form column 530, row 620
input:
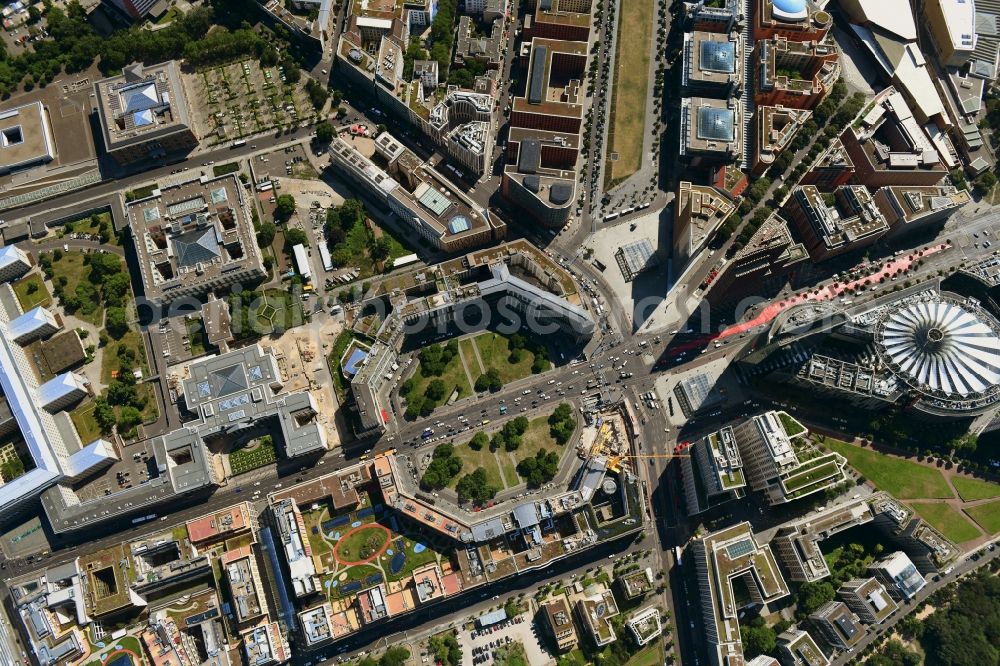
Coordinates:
column 562, row 424
column 394, row 656
column 379, row 248
column 116, row 288
column 295, row 237
column 104, row 265
column 446, row 649
column 104, row 414
column 116, row 322
column 489, row 381
column 758, row 638
column 265, row 235
column 475, row 487
column 129, row 417
column 284, row 206
column 436, row 390
column 478, row 441
column 813, row 595
column 540, row 469
column 324, row 132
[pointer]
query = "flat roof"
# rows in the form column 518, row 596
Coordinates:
column 25, row 136
column 141, row 104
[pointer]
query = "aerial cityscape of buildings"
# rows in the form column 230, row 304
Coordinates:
column 557, row 332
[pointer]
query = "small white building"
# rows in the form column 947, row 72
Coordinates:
column 302, row 261
column 645, row 625
column 32, row 325
column 61, row 391
column 14, row 262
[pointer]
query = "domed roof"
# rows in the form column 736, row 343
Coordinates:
column 942, row 345
column 790, row 6
column 790, row 10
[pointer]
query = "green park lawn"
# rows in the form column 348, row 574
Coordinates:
column 950, row 522
column 471, row 459
column 651, row 656
column 536, row 437
column 453, row 378
column 71, row 266
column 901, row 478
column 110, row 360
column 467, row 347
column 495, row 352
column 974, row 489
column 32, row 299
column 350, row 548
column 987, row 515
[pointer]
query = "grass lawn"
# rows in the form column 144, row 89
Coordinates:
column 536, row 437
column 467, row 347
column 651, row 656
column 495, row 352
column 31, row 299
column 631, row 88
column 110, row 360
column 243, row 460
column 950, row 522
column 75, row 271
column 987, row 515
column 361, row 544
column 413, row 560
column 472, row 459
column 974, row 489
column 901, row 478
column 86, row 425
column 453, row 377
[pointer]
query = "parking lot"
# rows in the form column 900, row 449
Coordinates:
column 520, row 628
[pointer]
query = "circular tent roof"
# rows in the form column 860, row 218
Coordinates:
column 790, row 9
column 942, row 345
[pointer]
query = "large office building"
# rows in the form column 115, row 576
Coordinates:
column 543, row 146
column 37, row 409
column 795, row 75
column 852, row 223
column 14, row 262
column 889, row 146
column 423, row 199
column 711, row 130
column 713, row 64
column 935, row 354
column 833, row 168
column 797, row 542
column 952, row 25
column 797, row 648
column 888, row 30
column 722, row 559
column 559, row 622
column 775, row 128
column 699, row 211
column 909, row 208
column 899, row 576
column 193, row 238
column 837, row 626
column 868, row 598
column 233, row 393
column 144, row 114
column 712, row 472
column 716, row 15
column 795, row 20
column 25, row 137
column 764, row 263
column 772, row 448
